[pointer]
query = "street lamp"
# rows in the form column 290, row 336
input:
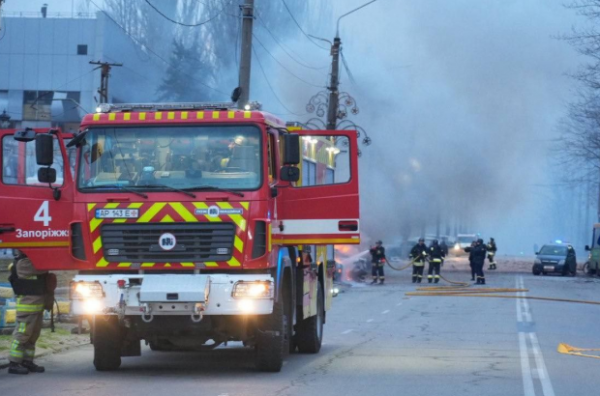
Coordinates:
column 337, row 30
column 4, row 120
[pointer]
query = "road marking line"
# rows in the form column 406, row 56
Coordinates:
column 528, row 389
column 347, row 331
column 386, row 311
column 541, row 366
column 540, row 373
column 369, row 320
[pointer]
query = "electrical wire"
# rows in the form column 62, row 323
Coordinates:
column 271, row 87
column 150, row 49
column 181, row 23
column 300, row 27
column 288, row 53
column 283, row 66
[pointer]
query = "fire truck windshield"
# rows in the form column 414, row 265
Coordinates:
column 181, row 157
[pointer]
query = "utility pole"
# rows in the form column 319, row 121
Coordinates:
column 246, row 52
column 334, row 93
column 332, row 111
column 104, row 75
column 1, row 1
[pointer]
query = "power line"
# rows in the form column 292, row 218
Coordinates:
column 150, row 49
column 270, row 86
column 350, row 76
column 300, row 27
column 283, row 66
column 264, row 25
column 181, row 23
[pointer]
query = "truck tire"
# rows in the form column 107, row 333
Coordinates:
column 271, row 341
column 309, row 332
column 108, row 340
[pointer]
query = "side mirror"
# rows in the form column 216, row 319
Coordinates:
column 25, row 136
column 47, row 175
column 291, row 148
column 537, row 253
column 587, row 248
column 289, row 173
column 44, row 149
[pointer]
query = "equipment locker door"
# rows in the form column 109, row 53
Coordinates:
column 322, row 208
column 30, row 218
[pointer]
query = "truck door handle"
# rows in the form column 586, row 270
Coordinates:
column 7, row 229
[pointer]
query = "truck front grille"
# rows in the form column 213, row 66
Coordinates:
column 194, row 242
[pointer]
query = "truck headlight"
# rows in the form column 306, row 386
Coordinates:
column 253, row 290
column 86, row 290
column 457, row 247
column 562, row 262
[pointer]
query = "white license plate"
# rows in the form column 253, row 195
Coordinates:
column 548, row 268
column 117, row 213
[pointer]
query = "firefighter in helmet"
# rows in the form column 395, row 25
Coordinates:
column 477, row 255
column 377, row 262
column 35, row 292
column 491, row 251
column 436, row 257
column 418, row 255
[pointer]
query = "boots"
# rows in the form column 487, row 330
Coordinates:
column 429, row 280
column 381, row 281
column 419, row 279
column 16, row 368
column 482, row 281
column 414, row 279
column 437, row 280
column 374, row 281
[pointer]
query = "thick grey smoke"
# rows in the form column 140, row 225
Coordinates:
column 462, row 99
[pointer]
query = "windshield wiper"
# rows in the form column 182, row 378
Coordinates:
column 164, row 186
column 117, row 186
column 212, row 188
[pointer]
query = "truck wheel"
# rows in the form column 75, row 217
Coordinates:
column 108, row 340
column 271, row 341
column 309, row 332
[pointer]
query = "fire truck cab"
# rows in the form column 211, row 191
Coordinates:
column 190, row 225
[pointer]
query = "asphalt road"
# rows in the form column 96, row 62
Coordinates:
column 378, row 342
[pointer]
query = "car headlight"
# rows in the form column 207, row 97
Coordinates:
column 86, row 290
column 253, row 290
column 457, row 247
column 537, row 261
column 562, row 262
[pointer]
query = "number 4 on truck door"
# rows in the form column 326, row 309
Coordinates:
column 33, row 220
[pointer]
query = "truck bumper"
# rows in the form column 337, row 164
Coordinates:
column 151, row 295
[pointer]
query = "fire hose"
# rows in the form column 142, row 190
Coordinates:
column 458, row 284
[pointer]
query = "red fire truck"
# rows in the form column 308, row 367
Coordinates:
column 190, row 225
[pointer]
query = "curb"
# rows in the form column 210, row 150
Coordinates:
column 61, row 350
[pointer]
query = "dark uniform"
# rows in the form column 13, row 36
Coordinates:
column 418, row 254
column 436, row 257
column 471, row 261
column 377, row 262
column 444, row 247
column 491, row 249
column 31, row 289
column 477, row 256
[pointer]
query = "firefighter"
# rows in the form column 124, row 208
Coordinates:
column 436, row 257
column 491, row 249
column 35, row 292
column 418, row 255
column 471, row 262
column 377, row 262
column 444, row 247
column 477, row 255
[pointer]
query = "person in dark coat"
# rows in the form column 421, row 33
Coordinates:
column 436, row 257
column 377, row 262
column 477, row 254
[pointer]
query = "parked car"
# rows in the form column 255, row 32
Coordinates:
column 555, row 258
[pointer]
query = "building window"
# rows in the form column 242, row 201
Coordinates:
column 37, row 105
column 82, row 49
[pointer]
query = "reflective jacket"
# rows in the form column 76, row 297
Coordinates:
column 436, row 254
